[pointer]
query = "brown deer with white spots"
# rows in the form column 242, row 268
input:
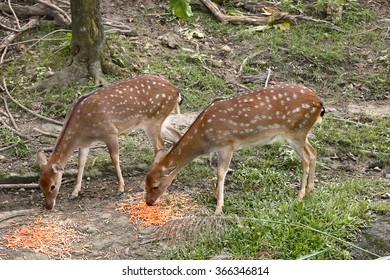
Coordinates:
column 258, row 117
column 144, row 102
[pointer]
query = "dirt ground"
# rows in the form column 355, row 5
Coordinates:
column 106, row 233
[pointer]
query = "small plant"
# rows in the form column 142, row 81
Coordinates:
column 19, row 147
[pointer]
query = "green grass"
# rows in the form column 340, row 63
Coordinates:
column 273, row 224
column 261, row 191
column 191, row 74
column 360, row 140
column 262, row 217
column 20, row 149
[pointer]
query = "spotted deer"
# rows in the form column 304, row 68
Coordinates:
column 144, row 102
column 262, row 116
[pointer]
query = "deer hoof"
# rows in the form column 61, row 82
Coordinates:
column 119, row 193
column 72, row 197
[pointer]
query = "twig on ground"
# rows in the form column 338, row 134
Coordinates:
column 11, row 118
column 14, row 14
column 45, row 133
column 7, row 40
column 43, row 37
column 245, row 61
column 352, row 122
column 2, row 149
column 9, row 28
column 268, row 76
column 17, row 132
column 3, row 55
column 13, row 216
column 327, row 23
column 27, row 109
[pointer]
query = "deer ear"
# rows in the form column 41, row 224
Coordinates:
column 57, row 168
column 41, row 159
column 159, row 155
column 168, row 171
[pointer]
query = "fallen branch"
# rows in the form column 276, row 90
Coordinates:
column 27, row 109
column 19, row 186
column 57, row 13
column 42, row 9
column 54, row 7
column 256, row 20
column 22, row 10
column 263, row 20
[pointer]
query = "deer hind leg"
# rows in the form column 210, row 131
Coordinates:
column 299, row 147
column 113, row 148
column 312, row 165
column 224, row 158
column 83, row 154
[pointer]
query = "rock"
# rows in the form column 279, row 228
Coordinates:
column 122, row 222
column 106, row 216
column 385, row 196
column 170, row 39
column 377, row 169
column 90, row 229
column 226, row 48
column 388, row 176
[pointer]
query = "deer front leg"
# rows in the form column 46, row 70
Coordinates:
column 312, row 166
column 153, row 132
column 83, row 154
column 224, row 158
column 113, row 147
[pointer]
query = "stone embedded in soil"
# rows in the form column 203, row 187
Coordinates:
column 385, row 196
column 226, row 49
column 377, row 169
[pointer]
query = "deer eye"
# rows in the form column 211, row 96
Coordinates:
column 52, row 187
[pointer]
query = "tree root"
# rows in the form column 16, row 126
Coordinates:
column 70, row 75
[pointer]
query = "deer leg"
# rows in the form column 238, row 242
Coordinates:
column 312, row 166
column 170, row 133
column 153, row 132
column 299, row 147
column 305, row 158
column 113, row 147
column 83, row 154
column 224, row 158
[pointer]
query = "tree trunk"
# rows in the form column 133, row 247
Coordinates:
column 85, row 51
column 87, row 36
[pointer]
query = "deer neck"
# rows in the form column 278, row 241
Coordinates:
column 64, row 147
column 184, row 152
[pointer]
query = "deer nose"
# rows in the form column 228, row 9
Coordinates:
column 49, row 206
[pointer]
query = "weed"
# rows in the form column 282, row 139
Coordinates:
column 20, row 148
column 187, row 71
